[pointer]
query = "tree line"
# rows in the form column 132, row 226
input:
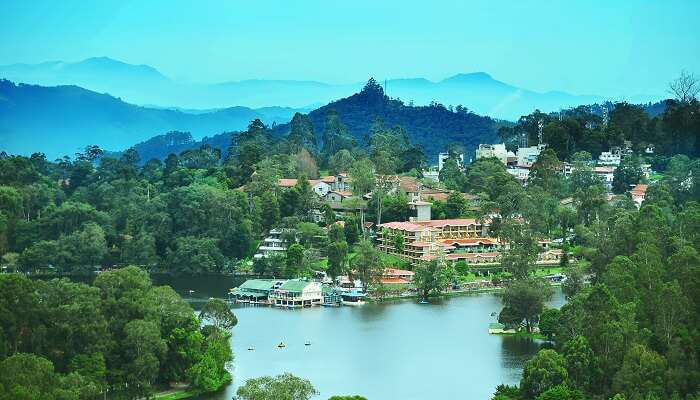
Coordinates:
column 119, row 335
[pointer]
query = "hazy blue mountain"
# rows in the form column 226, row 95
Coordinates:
column 140, row 84
column 61, row 120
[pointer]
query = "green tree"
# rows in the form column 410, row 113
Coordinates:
column 546, row 370
column 580, row 362
column 627, row 174
column 192, row 254
column 219, row 314
column 455, row 205
column 337, row 254
column 574, row 281
column 367, row 263
column 549, row 322
column 433, row 277
column 280, row 387
column 143, row 348
column 270, row 210
column 363, row 179
column 295, row 259
column 524, row 300
column 642, row 374
column 28, row 377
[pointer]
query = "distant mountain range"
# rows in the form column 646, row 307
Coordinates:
column 61, row 120
column 144, row 85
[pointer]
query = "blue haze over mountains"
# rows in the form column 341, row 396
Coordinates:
column 125, row 104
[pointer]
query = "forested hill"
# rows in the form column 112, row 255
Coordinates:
column 431, row 127
column 62, row 120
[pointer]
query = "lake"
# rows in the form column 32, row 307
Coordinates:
column 398, row 350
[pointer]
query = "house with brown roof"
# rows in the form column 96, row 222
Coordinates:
column 638, row 194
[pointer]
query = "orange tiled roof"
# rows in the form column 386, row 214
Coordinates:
column 394, row 281
column 404, row 226
column 284, row 182
column 640, row 189
column 395, row 271
column 438, row 223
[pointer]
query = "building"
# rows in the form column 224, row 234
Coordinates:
column 422, row 210
column 323, row 185
column 521, row 173
column 433, row 174
column 527, row 156
column 612, row 157
column 638, row 194
column 425, row 240
column 272, row 244
column 297, row 293
column 338, row 196
column 393, row 276
column 493, row 150
column 606, row 175
column 255, row 291
column 442, row 158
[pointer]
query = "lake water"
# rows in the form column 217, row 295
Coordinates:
column 399, row 350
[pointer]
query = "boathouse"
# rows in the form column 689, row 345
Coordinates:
column 297, row 293
column 256, row 291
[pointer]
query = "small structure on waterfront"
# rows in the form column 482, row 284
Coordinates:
column 297, row 293
column 254, row 291
column 496, row 328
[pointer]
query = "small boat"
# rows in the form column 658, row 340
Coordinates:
column 251, row 348
column 424, row 301
column 281, row 345
column 307, row 343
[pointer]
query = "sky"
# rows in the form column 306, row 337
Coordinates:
column 611, row 48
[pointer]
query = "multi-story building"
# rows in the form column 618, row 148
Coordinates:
column 424, row 240
column 612, row 157
column 493, row 150
column 528, row 155
column 297, row 293
column 272, row 244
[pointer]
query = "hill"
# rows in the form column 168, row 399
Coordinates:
column 63, row 119
column 141, row 84
column 431, row 127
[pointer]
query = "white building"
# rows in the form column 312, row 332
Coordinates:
column 528, row 155
column 493, row 150
column 272, row 244
column 442, row 157
column 606, row 174
column 612, row 157
column 521, row 173
column 432, row 174
column 297, row 293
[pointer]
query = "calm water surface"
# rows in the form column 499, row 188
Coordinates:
column 401, row 350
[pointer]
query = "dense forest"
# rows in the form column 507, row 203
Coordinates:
column 633, row 333
column 630, row 327
column 197, row 211
column 61, row 340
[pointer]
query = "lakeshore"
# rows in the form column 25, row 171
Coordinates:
column 351, row 345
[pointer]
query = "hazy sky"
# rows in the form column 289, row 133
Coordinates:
column 613, row 48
